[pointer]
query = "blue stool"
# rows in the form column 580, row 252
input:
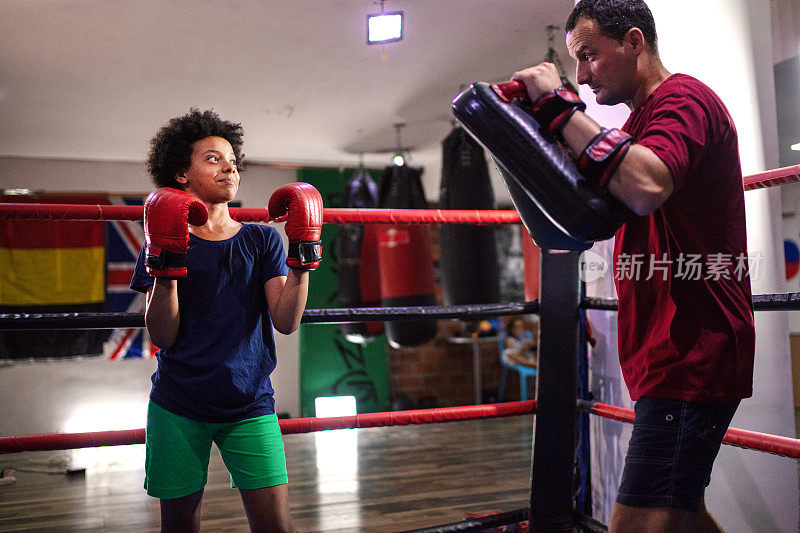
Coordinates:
column 525, row 372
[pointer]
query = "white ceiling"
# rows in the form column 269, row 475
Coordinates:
column 94, row 79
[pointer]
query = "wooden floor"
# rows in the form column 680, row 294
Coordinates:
column 378, row 479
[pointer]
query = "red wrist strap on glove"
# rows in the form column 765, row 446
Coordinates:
column 603, row 155
column 554, row 109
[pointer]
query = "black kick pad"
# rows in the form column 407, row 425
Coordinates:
column 559, row 207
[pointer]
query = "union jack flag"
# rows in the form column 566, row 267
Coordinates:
column 124, row 238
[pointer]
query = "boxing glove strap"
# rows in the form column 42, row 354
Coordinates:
column 160, row 258
column 554, row 109
column 603, row 155
column 305, row 252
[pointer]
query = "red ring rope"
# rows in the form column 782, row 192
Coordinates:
column 420, row 216
column 772, row 178
column 67, row 441
column 742, row 438
column 249, row 214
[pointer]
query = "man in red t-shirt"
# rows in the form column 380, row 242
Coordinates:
column 686, row 334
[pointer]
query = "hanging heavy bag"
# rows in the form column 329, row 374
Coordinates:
column 466, row 185
column 406, row 258
column 357, row 247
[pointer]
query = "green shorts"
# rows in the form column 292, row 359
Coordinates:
column 178, row 450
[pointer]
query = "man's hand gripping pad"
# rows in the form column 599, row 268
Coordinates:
column 559, row 207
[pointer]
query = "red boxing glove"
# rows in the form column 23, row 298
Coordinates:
column 167, row 215
column 300, row 205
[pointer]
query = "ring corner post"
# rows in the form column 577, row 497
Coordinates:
column 555, row 424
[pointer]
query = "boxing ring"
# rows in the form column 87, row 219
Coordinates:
column 556, row 407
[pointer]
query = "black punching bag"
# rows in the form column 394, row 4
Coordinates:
column 405, row 254
column 468, row 257
column 357, row 249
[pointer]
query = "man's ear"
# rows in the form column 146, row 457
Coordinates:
column 181, row 178
column 635, row 38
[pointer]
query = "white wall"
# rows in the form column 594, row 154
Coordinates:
column 786, row 45
column 785, row 29
column 42, row 397
column 790, row 203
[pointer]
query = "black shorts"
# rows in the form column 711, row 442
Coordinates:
column 671, row 452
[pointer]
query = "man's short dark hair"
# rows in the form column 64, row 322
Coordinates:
column 616, row 17
column 171, row 147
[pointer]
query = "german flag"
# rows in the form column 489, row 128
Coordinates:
column 52, row 267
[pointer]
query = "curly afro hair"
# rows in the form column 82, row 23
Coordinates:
column 171, row 148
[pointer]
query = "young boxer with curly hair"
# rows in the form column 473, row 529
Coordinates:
column 215, row 290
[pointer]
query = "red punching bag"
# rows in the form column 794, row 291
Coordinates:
column 406, row 259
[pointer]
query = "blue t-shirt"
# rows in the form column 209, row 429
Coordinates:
column 218, row 368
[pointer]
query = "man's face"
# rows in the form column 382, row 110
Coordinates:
column 606, row 65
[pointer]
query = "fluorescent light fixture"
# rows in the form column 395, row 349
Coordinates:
column 796, row 147
column 385, row 27
column 328, row 406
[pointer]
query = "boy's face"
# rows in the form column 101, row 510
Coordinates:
column 212, row 175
